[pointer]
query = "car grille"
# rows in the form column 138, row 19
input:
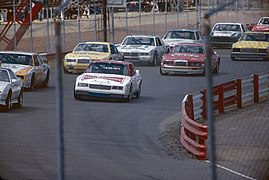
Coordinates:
column 181, row 63
column 96, row 86
column 251, row 50
column 135, row 54
column 83, row 61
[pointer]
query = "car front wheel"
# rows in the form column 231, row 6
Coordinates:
column 20, row 100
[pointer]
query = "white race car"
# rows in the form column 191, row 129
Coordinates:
column 109, row 79
column 223, row 35
column 29, row 66
column 175, row 36
column 142, row 48
column 11, row 89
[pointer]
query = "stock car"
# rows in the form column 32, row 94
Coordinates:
column 225, row 34
column 29, row 66
column 188, row 58
column 11, row 89
column 262, row 25
column 85, row 52
column 175, row 36
column 109, row 79
column 142, row 48
column 251, row 46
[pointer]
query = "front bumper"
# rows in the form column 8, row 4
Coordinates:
column 249, row 55
column 183, row 70
column 100, row 95
column 218, row 41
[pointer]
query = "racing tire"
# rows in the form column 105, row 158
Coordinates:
column 20, row 100
column 154, row 61
column 7, row 106
column 161, row 72
column 46, row 82
column 66, row 71
column 76, row 96
column 138, row 93
column 129, row 98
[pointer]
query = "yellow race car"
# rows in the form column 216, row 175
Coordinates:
column 85, row 52
column 251, row 46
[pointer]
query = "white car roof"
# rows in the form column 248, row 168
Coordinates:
column 18, row 52
column 230, row 23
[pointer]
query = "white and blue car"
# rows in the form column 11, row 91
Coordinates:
column 11, row 90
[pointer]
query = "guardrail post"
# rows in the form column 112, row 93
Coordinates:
column 190, row 107
column 256, row 88
column 204, row 106
column 221, row 99
column 190, row 114
column 239, row 93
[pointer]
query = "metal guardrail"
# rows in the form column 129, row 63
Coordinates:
column 232, row 94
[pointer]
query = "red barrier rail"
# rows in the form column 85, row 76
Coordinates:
column 194, row 134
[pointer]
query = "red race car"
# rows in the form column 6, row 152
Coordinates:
column 188, row 58
column 262, row 25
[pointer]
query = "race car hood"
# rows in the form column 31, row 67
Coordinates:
column 88, row 54
column 139, row 48
column 103, row 79
column 261, row 27
column 184, row 56
column 225, row 33
column 173, row 42
column 251, row 44
column 19, row 69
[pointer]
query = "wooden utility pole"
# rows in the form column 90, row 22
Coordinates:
column 105, row 20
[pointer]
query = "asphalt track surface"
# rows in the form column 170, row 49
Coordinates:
column 116, row 140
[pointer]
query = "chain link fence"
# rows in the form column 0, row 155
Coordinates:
column 40, row 36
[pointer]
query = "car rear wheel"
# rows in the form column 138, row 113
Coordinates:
column 233, row 58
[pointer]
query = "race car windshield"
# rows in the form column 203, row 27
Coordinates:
column 139, row 41
column 92, row 47
column 188, row 49
column 227, row 27
column 108, row 68
column 255, row 37
column 10, row 58
column 180, row 35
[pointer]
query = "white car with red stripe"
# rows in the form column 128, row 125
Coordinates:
column 29, row 66
column 109, row 79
